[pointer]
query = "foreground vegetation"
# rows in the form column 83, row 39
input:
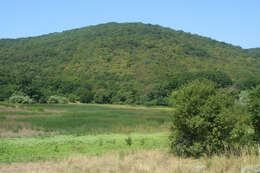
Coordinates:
column 40, row 132
column 60, row 146
column 205, row 121
column 139, row 161
column 210, row 121
column 87, row 138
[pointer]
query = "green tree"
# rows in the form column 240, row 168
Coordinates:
column 254, row 109
column 203, row 121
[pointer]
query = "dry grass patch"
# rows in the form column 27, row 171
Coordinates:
column 54, row 111
column 135, row 162
column 13, row 124
column 23, row 132
column 11, row 109
column 19, row 129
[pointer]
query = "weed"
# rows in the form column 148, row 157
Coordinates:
column 142, row 141
column 129, row 141
column 100, row 142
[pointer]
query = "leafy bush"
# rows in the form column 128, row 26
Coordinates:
column 19, row 97
column 254, row 109
column 73, row 98
column 84, row 95
column 57, row 100
column 102, row 97
column 251, row 81
column 129, row 141
column 243, row 98
column 203, row 122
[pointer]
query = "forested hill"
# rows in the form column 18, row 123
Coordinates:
column 117, row 63
column 255, row 51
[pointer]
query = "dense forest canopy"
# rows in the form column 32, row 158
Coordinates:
column 254, row 51
column 131, row 63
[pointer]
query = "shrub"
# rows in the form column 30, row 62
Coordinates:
column 19, row 97
column 85, row 95
column 254, row 109
column 73, row 98
column 203, row 122
column 57, row 100
column 102, row 97
column 129, row 141
column 243, row 98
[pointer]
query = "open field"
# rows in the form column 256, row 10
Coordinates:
column 81, row 119
column 40, row 132
column 97, row 138
column 60, row 146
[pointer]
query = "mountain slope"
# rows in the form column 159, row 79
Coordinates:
column 255, row 51
column 117, row 59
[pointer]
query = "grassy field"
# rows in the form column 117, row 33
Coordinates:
column 97, row 138
column 40, row 132
column 80, row 119
column 60, row 146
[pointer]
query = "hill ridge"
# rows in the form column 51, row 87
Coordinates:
column 115, row 62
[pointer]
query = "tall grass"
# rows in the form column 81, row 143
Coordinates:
column 136, row 161
column 90, row 119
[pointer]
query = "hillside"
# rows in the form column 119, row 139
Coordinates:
column 114, row 63
column 255, row 51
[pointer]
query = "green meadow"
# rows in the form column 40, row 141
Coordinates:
column 40, row 132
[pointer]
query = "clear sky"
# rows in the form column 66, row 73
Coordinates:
column 232, row 21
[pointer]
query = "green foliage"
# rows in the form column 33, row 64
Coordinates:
column 57, row 100
column 102, row 96
column 127, row 63
column 84, row 95
column 243, row 98
column 254, row 51
column 61, row 146
column 129, row 141
column 19, row 97
column 254, row 109
column 221, row 79
column 249, row 83
column 203, row 121
column 73, row 98
column 159, row 94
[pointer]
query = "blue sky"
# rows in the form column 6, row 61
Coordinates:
column 232, row 21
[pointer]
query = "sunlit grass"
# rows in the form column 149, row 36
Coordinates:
column 59, row 146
